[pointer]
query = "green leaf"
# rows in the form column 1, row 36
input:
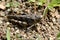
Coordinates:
column 58, row 36
column 50, row 6
column 42, row 1
column 8, row 34
column 54, row 3
column 45, row 11
column 16, row 4
column 31, row 0
column 12, row 4
column 39, row 3
column 8, row 5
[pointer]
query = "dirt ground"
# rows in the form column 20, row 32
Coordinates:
column 46, row 29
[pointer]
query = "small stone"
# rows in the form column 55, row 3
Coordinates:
column 53, row 19
column 17, row 31
column 1, row 22
column 20, row 22
column 7, row 23
column 8, row 10
column 24, row 23
column 16, row 28
column 46, row 24
column 38, row 24
column 41, row 16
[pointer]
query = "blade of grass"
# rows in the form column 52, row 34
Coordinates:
column 50, row 5
column 45, row 12
column 8, row 33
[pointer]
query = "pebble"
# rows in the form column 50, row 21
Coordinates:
column 8, row 10
column 17, row 31
column 16, row 28
column 1, row 22
column 46, row 24
column 7, row 23
column 54, row 19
